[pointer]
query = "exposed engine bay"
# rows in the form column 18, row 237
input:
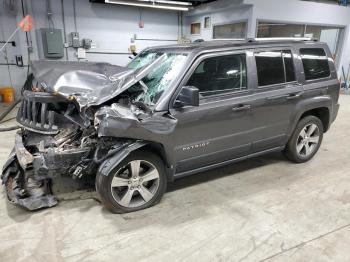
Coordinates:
column 73, row 118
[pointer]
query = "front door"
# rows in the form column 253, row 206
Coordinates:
column 219, row 129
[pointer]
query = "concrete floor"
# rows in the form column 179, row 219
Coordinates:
column 264, row 209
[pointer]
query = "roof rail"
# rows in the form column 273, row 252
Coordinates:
column 228, row 39
column 281, row 39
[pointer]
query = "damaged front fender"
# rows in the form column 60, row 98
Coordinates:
column 119, row 121
column 156, row 128
column 108, row 165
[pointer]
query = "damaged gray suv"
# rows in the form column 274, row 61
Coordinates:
column 173, row 111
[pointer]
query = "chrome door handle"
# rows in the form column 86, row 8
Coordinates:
column 276, row 97
column 294, row 96
column 241, row 108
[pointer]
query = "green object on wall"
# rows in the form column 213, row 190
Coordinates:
column 52, row 43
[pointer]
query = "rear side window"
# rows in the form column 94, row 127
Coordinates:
column 274, row 67
column 315, row 63
column 222, row 74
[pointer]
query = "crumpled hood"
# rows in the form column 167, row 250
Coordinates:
column 88, row 83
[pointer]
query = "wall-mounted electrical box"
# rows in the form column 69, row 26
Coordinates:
column 52, row 43
column 87, row 43
column 75, row 39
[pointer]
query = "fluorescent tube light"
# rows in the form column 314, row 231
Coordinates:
column 167, row 2
column 151, row 4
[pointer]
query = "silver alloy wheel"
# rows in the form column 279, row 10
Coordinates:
column 135, row 184
column 308, row 140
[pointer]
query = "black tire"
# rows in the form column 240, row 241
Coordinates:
column 104, row 183
column 291, row 151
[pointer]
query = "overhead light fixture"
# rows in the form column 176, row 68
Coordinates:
column 166, row 2
column 159, row 4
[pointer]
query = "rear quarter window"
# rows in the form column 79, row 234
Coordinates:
column 315, row 63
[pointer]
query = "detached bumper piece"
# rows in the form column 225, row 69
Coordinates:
column 23, row 187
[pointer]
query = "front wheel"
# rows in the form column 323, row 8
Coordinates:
column 138, row 182
column 306, row 140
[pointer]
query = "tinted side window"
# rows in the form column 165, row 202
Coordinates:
column 274, row 67
column 269, row 66
column 221, row 74
column 288, row 64
column 315, row 62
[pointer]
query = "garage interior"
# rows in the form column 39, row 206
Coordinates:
column 261, row 209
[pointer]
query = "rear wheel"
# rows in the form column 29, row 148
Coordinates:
column 138, row 182
column 306, row 140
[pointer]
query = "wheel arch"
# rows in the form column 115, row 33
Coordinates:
column 317, row 106
column 109, row 164
column 323, row 113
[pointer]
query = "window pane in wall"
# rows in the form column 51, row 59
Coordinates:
column 207, row 22
column 280, row 30
column 195, row 28
column 230, row 31
column 329, row 35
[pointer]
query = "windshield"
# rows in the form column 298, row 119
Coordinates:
column 151, row 87
column 143, row 59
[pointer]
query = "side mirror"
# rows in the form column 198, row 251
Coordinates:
column 189, row 96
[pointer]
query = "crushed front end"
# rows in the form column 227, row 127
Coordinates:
column 54, row 142
column 74, row 118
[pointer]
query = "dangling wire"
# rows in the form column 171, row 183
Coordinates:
column 49, row 14
column 140, row 15
column 75, row 16
column 28, row 36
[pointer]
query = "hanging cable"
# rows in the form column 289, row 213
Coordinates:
column 75, row 16
column 4, row 114
column 49, row 14
column 64, row 28
column 24, row 11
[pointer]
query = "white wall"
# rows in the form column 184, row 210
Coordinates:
column 292, row 11
column 230, row 15
column 306, row 12
column 16, row 75
column 111, row 28
column 220, row 12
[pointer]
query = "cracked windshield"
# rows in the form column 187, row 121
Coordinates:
column 152, row 86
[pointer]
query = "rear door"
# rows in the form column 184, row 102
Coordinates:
column 277, row 92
